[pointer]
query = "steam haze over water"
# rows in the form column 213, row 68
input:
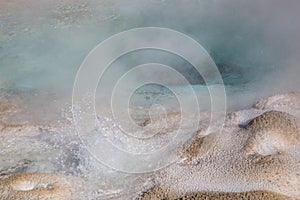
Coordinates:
column 255, row 44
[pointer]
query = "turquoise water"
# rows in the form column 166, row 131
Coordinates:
column 44, row 46
column 254, row 44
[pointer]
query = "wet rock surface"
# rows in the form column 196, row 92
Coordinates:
column 258, row 152
column 255, row 156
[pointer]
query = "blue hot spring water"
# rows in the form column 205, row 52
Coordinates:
column 42, row 50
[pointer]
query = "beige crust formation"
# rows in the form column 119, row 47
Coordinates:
column 7, row 109
column 273, row 132
column 255, row 157
column 159, row 193
column 33, row 186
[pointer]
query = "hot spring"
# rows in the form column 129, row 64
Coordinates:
column 254, row 44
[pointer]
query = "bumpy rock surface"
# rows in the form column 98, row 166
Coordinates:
column 272, row 132
column 261, row 156
column 273, row 120
column 257, row 151
column 35, row 187
column 252, row 195
column 160, row 193
column 5, row 110
column 286, row 102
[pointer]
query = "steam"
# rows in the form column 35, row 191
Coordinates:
column 255, row 44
